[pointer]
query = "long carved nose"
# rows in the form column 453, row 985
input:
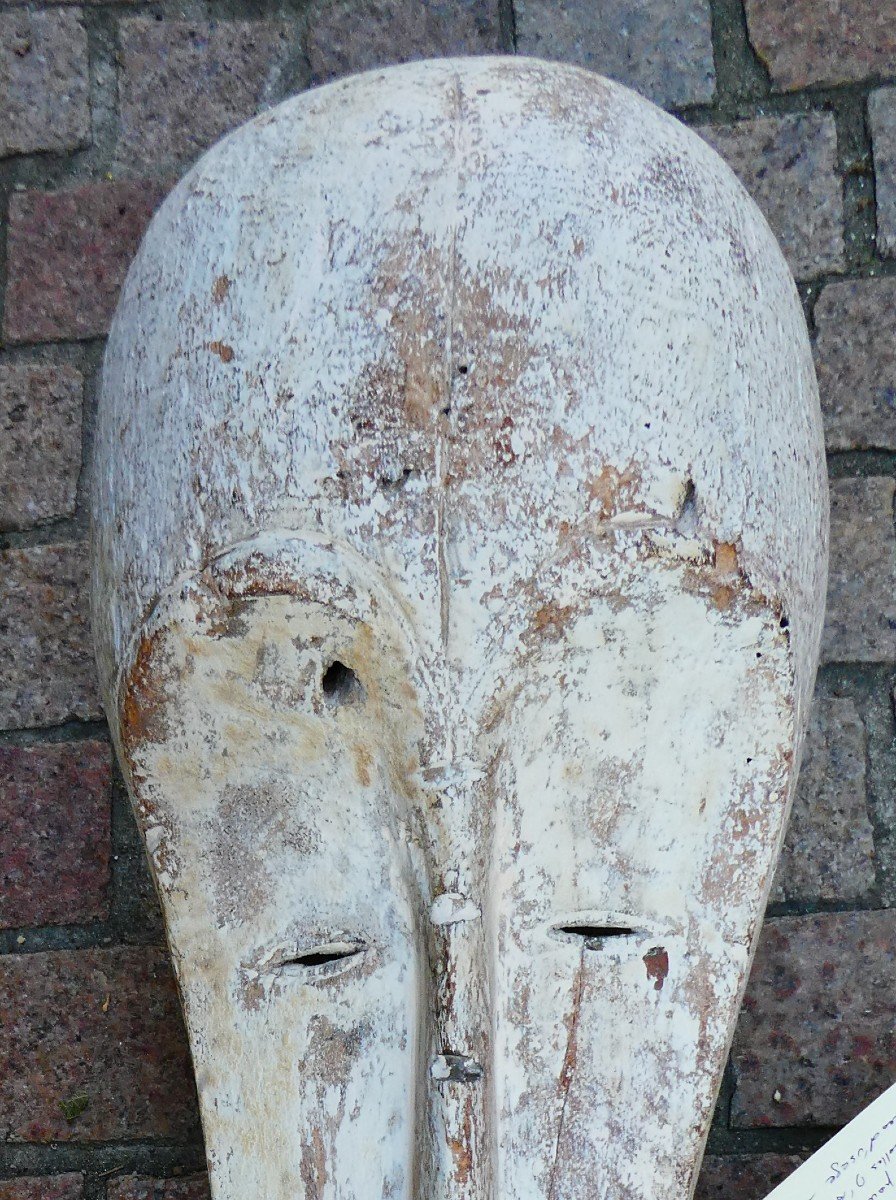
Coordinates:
column 459, row 1084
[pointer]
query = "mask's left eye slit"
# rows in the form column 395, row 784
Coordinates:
column 325, row 955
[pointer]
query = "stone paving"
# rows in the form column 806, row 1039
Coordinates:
column 102, row 105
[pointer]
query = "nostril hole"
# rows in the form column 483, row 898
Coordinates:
column 339, row 683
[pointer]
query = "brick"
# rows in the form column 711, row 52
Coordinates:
column 860, row 624
column 345, row 36
column 661, row 48
column 103, row 1024
column 43, row 81
column 803, row 42
column 43, row 1187
column 855, row 360
column 883, row 794
column 829, row 850
column 882, row 118
column 743, row 1176
column 40, row 443
column 789, row 166
column 55, row 810
column 80, row 3
column 47, row 672
column 67, row 256
column 138, row 1187
column 816, row 1042
column 185, row 83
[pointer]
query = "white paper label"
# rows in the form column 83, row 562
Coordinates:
column 858, row 1163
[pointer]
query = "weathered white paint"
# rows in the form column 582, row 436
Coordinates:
column 486, row 380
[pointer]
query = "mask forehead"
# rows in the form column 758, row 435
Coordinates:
column 460, row 693
column 577, row 279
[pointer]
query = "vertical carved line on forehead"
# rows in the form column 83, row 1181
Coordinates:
column 445, row 416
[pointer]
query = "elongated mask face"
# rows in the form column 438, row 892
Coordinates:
column 459, row 551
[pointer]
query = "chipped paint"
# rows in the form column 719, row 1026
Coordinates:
column 450, row 908
column 656, row 960
column 459, row 560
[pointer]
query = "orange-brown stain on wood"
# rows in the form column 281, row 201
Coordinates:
column 613, row 491
column 505, row 455
column 727, row 565
column 550, row 621
column 223, row 351
column 723, row 596
column 462, row 1147
column 143, row 702
column 363, row 759
column 726, row 559
column 220, row 288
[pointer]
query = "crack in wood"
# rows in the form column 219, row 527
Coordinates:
column 569, row 1064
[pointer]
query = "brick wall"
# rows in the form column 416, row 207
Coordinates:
column 102, row 104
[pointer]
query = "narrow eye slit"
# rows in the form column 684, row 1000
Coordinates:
column 596, row 931
column 339, row 683
column 592, row 935
column 325, row 956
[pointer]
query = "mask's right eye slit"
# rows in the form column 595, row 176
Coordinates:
column 325, row 955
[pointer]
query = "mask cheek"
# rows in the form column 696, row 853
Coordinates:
column 642, row 803
column 318, row 1078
